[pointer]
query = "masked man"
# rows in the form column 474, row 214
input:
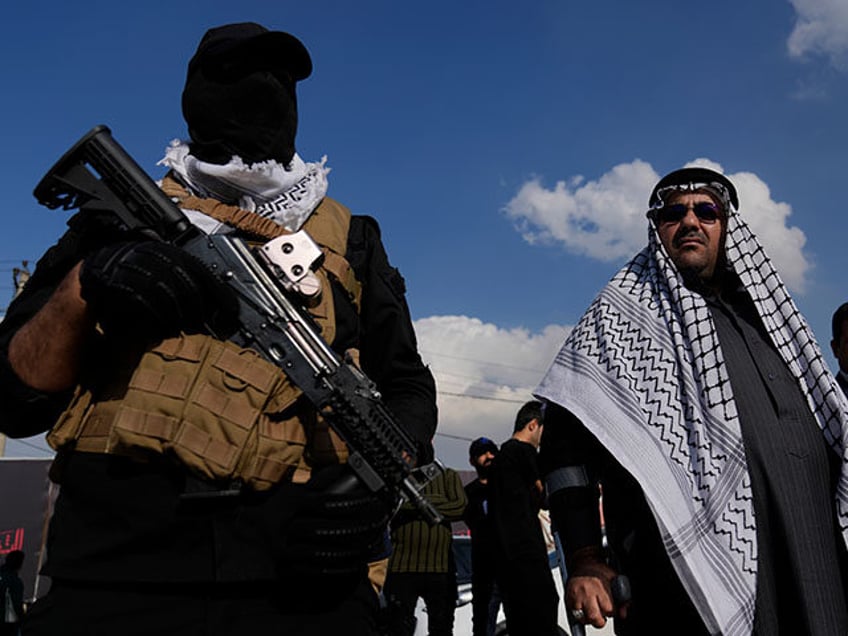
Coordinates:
column 194, row 476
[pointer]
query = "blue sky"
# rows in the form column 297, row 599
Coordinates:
column 507, row 151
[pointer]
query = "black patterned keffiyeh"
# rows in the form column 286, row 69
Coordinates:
column 285, row 194
column 644, row 372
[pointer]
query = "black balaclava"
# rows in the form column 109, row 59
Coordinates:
column 252, row 114
column 239, row 97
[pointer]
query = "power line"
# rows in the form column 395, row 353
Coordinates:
column 497, row 364
column 459, row 437
column 501, row 391
column 441, row 372
column 481, row 397
column 485, row 379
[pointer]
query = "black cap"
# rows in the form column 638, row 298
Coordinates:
column 279, row 49
column 480, row 446
column 696, row 177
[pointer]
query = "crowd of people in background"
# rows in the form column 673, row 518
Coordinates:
column 202, row 492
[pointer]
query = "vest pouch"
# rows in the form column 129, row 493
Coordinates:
column 67, row 428
column 276, row 449
column 212, row 405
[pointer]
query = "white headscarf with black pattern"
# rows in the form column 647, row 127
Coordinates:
column 643, row 371
column 285, row 194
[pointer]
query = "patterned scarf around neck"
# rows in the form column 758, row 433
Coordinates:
column 644, row 372
column 285, row 194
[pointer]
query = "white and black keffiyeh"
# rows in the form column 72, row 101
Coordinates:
column 644, row 372
column 285, row 194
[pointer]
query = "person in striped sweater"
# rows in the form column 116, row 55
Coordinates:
column 421, row 565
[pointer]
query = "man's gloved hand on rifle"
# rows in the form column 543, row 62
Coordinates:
column 330, row 536
column 147, row 290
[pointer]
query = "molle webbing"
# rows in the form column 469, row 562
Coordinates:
column 221, row 410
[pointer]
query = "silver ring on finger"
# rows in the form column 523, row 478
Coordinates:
column 578, row 614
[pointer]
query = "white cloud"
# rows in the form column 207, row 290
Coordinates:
column 821, row 29
column 605, row 219
column 483, row 373
column 602, row 219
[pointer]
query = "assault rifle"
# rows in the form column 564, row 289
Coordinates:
column 97, row 175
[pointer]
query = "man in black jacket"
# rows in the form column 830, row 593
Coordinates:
column 522, row 569
column 485, row 599
column 193, row 475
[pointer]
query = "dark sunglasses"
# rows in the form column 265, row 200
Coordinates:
column 674, row 213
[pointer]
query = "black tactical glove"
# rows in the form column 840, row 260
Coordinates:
column 331, row 534
column 149, row 290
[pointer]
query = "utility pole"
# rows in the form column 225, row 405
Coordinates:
column 20, row 276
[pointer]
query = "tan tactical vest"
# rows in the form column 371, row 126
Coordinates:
column 223, row 411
